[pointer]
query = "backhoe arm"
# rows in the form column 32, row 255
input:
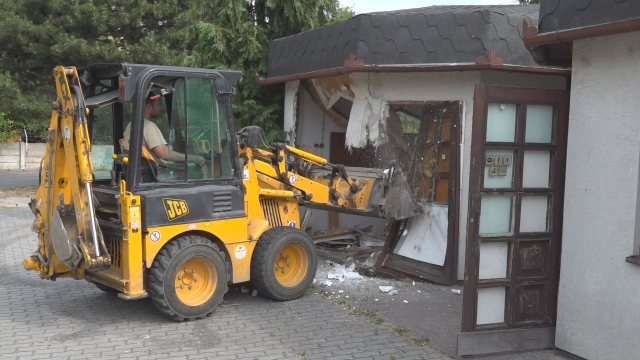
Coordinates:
column 68, row 235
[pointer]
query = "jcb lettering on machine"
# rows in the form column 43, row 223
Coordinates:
column 175, row 208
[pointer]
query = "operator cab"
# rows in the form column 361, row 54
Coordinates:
column 194, row 120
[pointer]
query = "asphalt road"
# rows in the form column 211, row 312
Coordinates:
column 14, row 179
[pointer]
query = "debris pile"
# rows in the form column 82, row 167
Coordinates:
column 354, row 250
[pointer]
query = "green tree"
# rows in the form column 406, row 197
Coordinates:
column 22, row 111
column 235, row 34
column 37, row 35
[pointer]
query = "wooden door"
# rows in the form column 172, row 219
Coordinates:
column 515, row 220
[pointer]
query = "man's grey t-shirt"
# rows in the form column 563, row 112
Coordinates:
column 152, row 137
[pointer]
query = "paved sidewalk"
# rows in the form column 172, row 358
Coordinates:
column 70, row 319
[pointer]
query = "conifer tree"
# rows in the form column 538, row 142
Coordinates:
column 235, row 34
column 37, row 35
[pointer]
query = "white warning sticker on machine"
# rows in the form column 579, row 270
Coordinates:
column 241, row 252
column 245, row 174
column 154, row 236
column 292, row 224
column 292, row 179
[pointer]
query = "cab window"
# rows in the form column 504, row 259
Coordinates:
column 199, row 126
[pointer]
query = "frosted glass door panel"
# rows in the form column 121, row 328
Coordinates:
column 533, row 214
column 493, row 260
column 501, row 123
column 536, row 169
column 498, row 169
column 496, row 214
column 539, row 128
column 491, row 304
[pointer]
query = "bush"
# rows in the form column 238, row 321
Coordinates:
column 20, row 111
column 8, row 130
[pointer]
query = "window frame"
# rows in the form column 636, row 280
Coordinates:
column 133, row 180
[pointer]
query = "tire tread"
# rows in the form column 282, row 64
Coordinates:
column 260, row 270
column 157, row 274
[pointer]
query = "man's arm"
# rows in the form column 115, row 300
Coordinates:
column 155, row 141
column 163, row 152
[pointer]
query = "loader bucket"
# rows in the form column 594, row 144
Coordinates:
column 390, row 196
column 399, row 201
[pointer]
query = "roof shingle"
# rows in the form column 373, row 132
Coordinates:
column 430, row 35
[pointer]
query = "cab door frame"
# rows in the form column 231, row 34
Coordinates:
column 133, row 181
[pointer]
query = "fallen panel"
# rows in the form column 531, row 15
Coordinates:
column 425, row 236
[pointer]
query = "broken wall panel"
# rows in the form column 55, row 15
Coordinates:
column 367, row 120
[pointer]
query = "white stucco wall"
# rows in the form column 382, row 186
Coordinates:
column 599, row 296
column 454, row 86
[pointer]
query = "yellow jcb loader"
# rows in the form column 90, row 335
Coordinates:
column 177, row 231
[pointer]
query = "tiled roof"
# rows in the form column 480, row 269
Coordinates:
column 557, row 15
column 430, row 35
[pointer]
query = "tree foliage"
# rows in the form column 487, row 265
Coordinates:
column 524, row 2
column 235, row 34
column 37, row 35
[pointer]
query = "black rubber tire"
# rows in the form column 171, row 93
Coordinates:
column 106, row 289
column 263, row 258
column 161, row 285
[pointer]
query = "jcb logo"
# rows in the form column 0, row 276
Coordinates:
column 175, row 208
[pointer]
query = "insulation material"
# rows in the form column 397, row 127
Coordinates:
column 367, row 121
column 290, row 109
column 425, row 236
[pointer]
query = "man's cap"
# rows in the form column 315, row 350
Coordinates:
column 154, row 94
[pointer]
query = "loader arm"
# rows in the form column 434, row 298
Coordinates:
column 316, row 183
column 68, row 234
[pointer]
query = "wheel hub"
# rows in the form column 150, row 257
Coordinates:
column 196, row 281
column 291, row 265
column 282, row 262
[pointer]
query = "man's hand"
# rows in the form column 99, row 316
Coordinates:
column 164, row 153
column 196, row 159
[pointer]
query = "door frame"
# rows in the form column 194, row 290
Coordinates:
column 447, row 273
column 473, row 338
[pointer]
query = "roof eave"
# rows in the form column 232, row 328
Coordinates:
column 453, row 67
column 531, row 37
